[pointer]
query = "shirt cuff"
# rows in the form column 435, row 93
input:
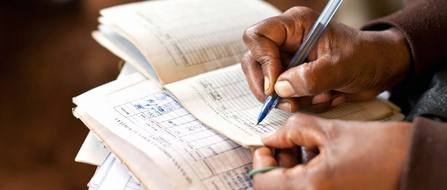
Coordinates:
column 425, row 167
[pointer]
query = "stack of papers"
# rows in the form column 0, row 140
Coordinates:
column 111, row 173
column 186, row 119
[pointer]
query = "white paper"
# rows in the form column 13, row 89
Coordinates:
column 222, row 100
column 180, row 38
column 190, row 154
column 113, row 175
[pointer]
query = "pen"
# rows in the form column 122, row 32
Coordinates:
column 303, row 51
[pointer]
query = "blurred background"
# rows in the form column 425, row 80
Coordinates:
column 47, row 56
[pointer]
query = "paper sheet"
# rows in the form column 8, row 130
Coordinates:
column 183, row 38
column 93, row 151
column 190, row 154
column 222, row 100
column 113, row 175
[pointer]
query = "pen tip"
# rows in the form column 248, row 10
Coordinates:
column 258, row 122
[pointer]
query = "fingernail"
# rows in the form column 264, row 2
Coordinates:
column 321, row 98
column 266, row 85
column 286, row 106
column 284, row 89
column 337, row 101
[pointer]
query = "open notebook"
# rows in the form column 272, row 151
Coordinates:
column 176, row 39
column 159, row 141
column 163, row 145
column 111, row 173
column 192, row 49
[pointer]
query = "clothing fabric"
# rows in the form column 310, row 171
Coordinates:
column 424, row 92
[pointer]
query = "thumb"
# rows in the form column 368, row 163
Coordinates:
column 311, row 78
column 300, row 130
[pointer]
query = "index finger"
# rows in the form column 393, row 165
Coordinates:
column 263, row 41
column 300, row 130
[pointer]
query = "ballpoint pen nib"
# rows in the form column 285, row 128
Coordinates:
column 269, row 104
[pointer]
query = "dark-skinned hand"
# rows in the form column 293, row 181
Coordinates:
column 347, row 64
column 352, row 155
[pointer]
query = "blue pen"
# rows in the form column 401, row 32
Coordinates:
column 309, row 42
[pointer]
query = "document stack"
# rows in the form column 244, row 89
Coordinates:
column 181, row 115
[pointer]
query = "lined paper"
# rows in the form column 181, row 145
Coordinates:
column 189, row 153
column 222, row 100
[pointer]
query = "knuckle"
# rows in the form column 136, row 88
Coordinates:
column 257, row 30
column 264, row 60
column 300, row 121
column 302, row 13
column 263, row 28
column 330, row 130
column 249, row 34
column 246, row 60
column 300, row 9
column 293, row 119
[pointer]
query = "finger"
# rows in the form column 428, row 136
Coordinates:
column 303, row 104
column 288, row 158
column 253, row 74
column 307, row 105
column 300, row 130
column 275, row 179
column 266, row 54
column 298, row 177
column 309, row 176
column 312, row 78
column 362, row 96
column 313, row 175
column 322, row 98
column 264, row 39
column 308, row 154
column 338, row 100
column 263, row 157
column 288, row 104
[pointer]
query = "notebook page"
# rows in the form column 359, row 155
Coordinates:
column 190, row 154
column 92, row 151
column 184, row 38
column 222, row 100
column 113, row 175
column 122, row 48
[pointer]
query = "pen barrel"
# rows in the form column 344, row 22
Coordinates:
column 307, row 45
column 303, row 51
column 315, row 33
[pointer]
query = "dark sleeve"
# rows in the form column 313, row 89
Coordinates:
column 424, row 24
column 426, row 167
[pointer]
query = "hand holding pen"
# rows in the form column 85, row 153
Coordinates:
column 346, row 64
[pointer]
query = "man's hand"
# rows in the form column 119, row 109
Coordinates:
column 346, row 64
column 352, row 155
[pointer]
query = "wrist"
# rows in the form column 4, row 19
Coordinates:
column 400, row 52
column 391, row 55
